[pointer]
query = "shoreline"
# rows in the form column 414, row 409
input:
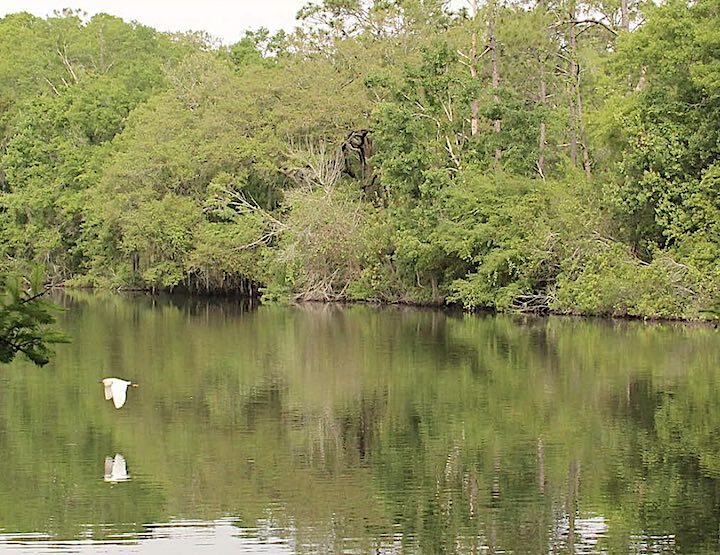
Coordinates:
column 445, row 307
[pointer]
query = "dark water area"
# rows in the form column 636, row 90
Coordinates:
column 329, row 429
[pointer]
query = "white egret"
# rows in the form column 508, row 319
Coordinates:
column 116, row 389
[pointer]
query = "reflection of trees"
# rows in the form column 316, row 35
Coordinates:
column 445, row 433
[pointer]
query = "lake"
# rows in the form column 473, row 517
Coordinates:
column 330, row 429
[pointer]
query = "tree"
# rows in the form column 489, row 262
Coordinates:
column 26, row 321
column 668, row 130
column 134, row 158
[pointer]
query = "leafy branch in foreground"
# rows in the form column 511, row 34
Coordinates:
column 26, row 320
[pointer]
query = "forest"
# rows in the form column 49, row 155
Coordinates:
column 559, row 156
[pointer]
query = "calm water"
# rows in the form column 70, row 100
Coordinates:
column 360, row 430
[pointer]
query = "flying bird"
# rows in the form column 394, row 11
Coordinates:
column 116, row 389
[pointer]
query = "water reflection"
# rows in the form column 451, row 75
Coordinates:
column 116, row 469
column 576, row 534
column 357, row 430
column 179, row 537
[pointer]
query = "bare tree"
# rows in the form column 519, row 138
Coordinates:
column 315, row 165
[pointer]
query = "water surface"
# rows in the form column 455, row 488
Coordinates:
column 324, row 429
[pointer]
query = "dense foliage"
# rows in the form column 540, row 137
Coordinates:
column 26, row 320
column 556, row 157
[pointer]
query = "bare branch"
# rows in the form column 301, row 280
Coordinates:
column 66, row 62
column 586, row 22
column 57, row 92
column 315, row 165
column 450, row 150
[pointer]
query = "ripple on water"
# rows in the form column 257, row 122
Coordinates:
column 177, row 537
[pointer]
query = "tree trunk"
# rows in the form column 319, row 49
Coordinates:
column 625, row 15
column 495, row 74
column 583, row 137
column 135, row 262
column 435, row 289
column 577, row 127
column 543, row 127
column 572, row 86
column 474, row 106
column 542, row 99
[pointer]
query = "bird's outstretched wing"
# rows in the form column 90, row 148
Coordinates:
column 108, row 391
column 119, row 392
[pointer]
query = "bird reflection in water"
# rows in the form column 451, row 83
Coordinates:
column 116, row 469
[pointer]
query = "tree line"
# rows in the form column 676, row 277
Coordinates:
column 555, row 156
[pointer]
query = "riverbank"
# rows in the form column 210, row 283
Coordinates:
column 710, row 319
